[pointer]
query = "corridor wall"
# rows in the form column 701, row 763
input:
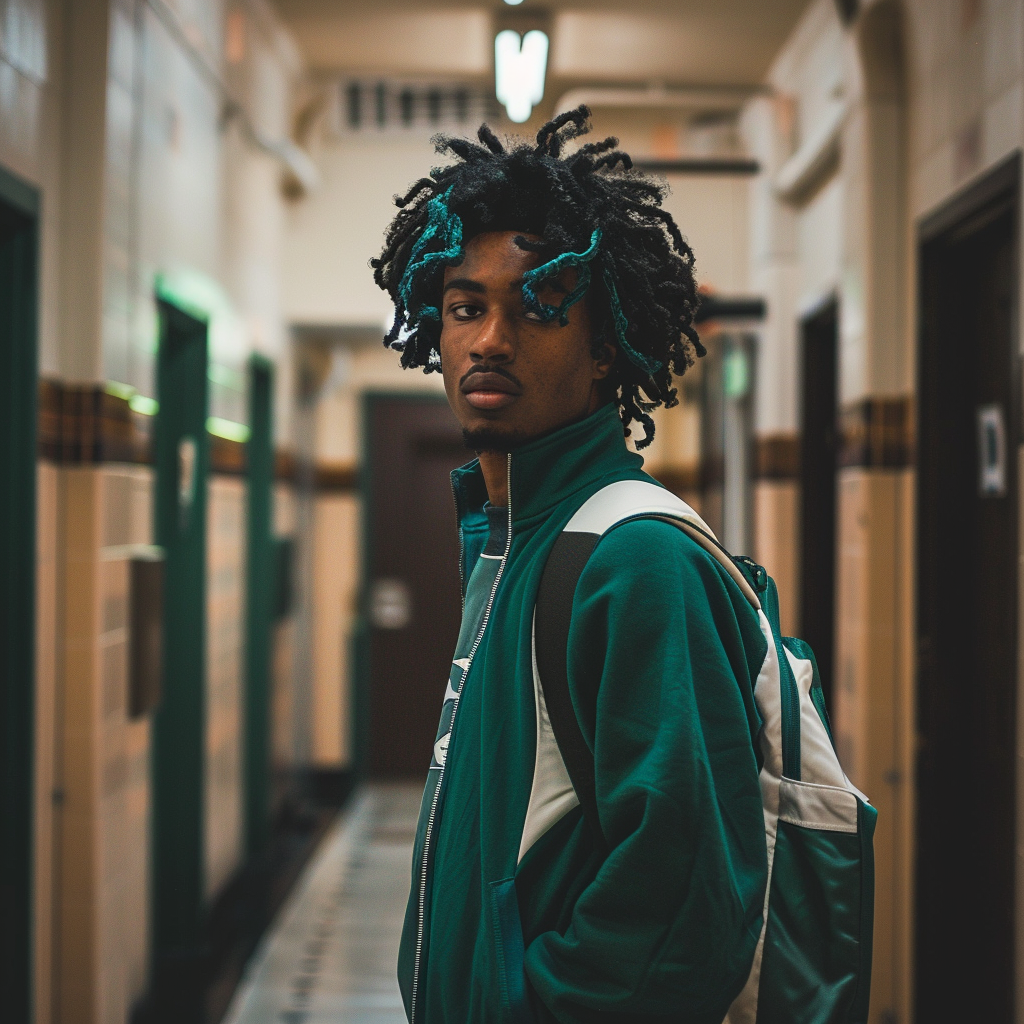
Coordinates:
column 871, row 125
column 115, row 112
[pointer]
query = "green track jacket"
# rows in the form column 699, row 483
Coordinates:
column 515, row 914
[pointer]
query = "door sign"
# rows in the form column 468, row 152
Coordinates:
column 390, row 604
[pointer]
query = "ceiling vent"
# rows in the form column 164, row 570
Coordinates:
column 368, row 106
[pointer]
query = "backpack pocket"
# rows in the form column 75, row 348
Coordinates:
column 816, row 966
column 507, row 930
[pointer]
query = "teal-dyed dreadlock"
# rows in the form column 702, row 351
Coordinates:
column 589, row 211
column 551, row 269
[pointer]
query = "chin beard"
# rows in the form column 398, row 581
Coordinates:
column 486, row 439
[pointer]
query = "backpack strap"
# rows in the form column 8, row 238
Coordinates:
column 615, row 504
column 562, row 571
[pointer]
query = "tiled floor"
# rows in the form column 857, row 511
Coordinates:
column 330, row 956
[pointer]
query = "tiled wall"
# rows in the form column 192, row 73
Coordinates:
column 47, row 483
column 965, row 62
column 935, row 95
column 844, row 236
column 186, row 193
column 102, row 757
column 335, row 582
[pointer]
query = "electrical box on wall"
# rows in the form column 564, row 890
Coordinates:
column 146, row 629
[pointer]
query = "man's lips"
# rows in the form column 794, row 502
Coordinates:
column 486, row 390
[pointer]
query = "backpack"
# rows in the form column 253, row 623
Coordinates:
column 812, row 963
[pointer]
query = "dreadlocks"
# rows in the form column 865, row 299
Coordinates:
column 591, row 211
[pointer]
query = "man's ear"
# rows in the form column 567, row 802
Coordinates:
column 603, row 360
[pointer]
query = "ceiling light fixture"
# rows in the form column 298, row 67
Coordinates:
column 520, row 64
column 513, row 3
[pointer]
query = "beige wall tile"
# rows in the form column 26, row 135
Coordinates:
column 103, row 854
column 225, row 635
column 820, row 242
column 931, row 181
column 871, row 704
column 775, row 403
column 21, row 101
column 1003, row 124
column 776, row 533
column 45, row 739
column 336, row 543
column 79, row 949
column 1003, row 34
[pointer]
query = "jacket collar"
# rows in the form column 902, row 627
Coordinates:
column 550, row 469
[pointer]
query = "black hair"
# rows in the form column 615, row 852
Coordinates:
column 590, row 210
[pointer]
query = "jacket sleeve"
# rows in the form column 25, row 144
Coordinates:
column 663, row 654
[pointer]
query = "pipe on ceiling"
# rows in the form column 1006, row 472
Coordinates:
column 695, row 97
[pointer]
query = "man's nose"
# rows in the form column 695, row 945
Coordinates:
column 495, row 342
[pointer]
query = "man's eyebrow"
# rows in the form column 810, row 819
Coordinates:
column 465, row 284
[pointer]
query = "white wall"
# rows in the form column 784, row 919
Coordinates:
column 796, row 255
column 332, row 235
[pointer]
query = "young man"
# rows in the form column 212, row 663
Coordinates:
column 557, row 298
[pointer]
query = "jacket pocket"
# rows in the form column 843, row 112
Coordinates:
column 507, row 930
column 816, row 964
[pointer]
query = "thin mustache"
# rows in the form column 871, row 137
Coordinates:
column 491, row 369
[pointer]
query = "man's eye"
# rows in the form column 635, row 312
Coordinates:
column 464, row 311
column 532, row 314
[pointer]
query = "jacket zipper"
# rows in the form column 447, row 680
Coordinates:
column 421, row 909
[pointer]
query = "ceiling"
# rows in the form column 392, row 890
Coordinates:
column 682, row 42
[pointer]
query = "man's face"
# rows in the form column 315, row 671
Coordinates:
column 509, row 376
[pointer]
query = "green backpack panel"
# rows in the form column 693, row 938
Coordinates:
column 812, row 964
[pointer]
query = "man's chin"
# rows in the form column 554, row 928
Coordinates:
column 490, row 439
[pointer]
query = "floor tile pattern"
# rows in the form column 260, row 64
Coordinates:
column 330, row 956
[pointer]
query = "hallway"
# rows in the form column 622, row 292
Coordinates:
column 330, row 956
column 229, row 549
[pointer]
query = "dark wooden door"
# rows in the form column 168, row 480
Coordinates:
column 967, row 608
column 413, row 601
column 819, row 337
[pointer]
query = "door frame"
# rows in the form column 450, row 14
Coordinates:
column 179, row 723
column 19, row 370
column 260, row 582
column 1002, row 181
column 827, row 304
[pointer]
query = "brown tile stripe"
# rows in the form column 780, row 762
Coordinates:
column 227, row 456
column 777, row 457
column 336, row 477
column 285, row 466
column 874, row 433
column 679, row 480
column 877, row 433
column 81, row 424
column 326, row 477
